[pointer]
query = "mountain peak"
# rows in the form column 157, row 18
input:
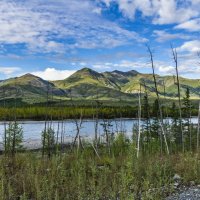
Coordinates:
column 28, row 75
column 88, row 71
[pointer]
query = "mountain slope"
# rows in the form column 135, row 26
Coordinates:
column 168, row 81
column 85, row 76
column 89, row 84
column 28, row 87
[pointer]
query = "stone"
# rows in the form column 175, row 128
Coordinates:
column 192, row 183
column 176, row 177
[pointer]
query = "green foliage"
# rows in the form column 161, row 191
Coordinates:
column 48, row 140
column 85, row 176
column 14, row 138
column 120, row 144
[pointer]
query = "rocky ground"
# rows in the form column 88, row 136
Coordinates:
column 191, row 192
column 186, row 193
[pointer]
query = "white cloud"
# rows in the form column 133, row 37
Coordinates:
column 162, row 11
column 191, row 25
column 49, row 26
column 9, row 70
column 97, row 11
column 190, row 46
column 172, row 11
column 53, row 74
column 162, row 36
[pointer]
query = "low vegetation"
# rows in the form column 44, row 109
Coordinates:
column 111, row 165
column 84, row 175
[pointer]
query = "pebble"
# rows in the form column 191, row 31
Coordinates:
column 176, row 177
column 192, row 193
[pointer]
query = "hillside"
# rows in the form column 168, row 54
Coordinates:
column 88, row 84
column 29, row 88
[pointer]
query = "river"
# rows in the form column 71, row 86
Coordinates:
column 32, row 129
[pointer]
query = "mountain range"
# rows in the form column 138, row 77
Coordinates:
column 87, row 84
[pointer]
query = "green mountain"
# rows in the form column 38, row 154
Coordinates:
column 29, row 88
column 87, row 84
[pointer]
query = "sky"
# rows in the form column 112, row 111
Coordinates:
column 54, row 38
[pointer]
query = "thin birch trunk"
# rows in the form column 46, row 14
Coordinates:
column 45, row 125
column 175, row 57
column 139, row 120
column 198, row 128
column 158, row 98
column 15, row 121
column 5, row 131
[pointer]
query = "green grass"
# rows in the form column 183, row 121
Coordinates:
column 83, row 175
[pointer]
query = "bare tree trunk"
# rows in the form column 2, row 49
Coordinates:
column 190, row 128
column 5, row 131
column 61, row 137
column 78, row 127
column 139, row 120
column 158, row 98
column 15, row 121
column 45, row 125
column 96, row 122
column 175, row 57
column 198, row 128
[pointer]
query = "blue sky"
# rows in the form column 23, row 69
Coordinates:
column 54, row 38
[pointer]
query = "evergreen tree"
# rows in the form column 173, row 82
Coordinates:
column 146, row 117
column 187, row 107
column 14, row 138
column 175, row 126
column 48, row 140
column 155, row 121
column 187, row 115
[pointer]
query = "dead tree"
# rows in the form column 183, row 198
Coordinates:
column 15, row 120
column 78, row 123
column 46, row 121
column 175, row 58
column 96, row 120
column 5, row 131
column 158, row 98
column 198, row 127
column 139, row 121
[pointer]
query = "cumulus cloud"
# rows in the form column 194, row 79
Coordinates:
column 53, row 74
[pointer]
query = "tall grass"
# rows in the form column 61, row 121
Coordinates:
column 86, row 176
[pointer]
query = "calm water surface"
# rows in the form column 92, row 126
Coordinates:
column 33, row 129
